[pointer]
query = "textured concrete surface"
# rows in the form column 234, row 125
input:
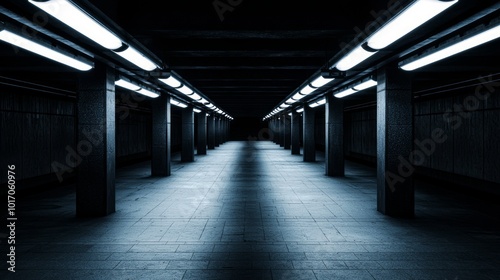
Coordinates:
column 251, row 210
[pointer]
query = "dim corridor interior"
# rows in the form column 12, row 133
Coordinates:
column 251, row 210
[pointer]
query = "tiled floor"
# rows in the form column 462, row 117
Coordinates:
column 250, row 210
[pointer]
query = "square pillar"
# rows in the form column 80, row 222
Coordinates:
column 274, row 130
column 94, row 154
column 309, row 142
column 287, row 138
column 334, row 136
column 161, row 151
column 217, row 131
column 187, row 153
column 395, row 190
column 202, row 133
column 295, row 133
column 211, row 132
column 281, row 130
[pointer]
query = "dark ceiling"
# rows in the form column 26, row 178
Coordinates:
column 247, row 56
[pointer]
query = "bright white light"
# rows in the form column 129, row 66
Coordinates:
column 284, row 105
column 185, row 90
column 345, row 93
column 318, row 103
column 298, row 96
column 411, row 18
column 178, row 104
column 172, row 82
column 195, row 96
column 464, row 45
column 31, row 46
column 291, row 101
column 355, row 57
column 79, row 20
column 137, row 59
column 320, row 81
column 196, row 110
column 365, row 85
column 148, row 93
column 300, row 110
column 307, row 90
column 127, row 85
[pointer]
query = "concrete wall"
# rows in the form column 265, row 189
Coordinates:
column 470, row 155
column 38, row 129
column 35, row 129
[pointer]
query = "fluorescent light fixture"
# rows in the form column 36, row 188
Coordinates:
column 320, row 81
column 177, row 103
column 408, row 20
column 171, row 82
column 318, row 103
column 185, row 90
column 210, row 105
column 291, row 101
column 300, row 110
column 465, row 44
column 42, row 49
column 195, row 96
column 365, row 85
column 284, row 105
column 298, row 96
column 307, row 90
column 196, row 110
column 127, row 85
column 133, row 87
column 148, row 93
column 353, row 58
column 135, row 57
column 73, row 16
column 204, row 101
column 345, row 93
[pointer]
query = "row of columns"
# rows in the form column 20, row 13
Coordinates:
column 395, row 190
column 95, row 157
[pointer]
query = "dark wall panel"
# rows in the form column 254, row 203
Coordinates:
column 468, row 146
column 492, row 145
column 443, row 156
column 10, row 145
column 422, row 133
column 36, row 145
column 62, row 136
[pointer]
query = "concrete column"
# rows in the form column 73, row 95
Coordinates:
column 161, row 150
column 395, row 190
column 224, row 130
column 274, row 130
column 295, row 133
column 281, row 130
column 308, row 141
column 287, row 137
column 187, row 153
column 202, row 133
column 95, row 150
column 334, row 136
column 217, row 131
column 211, row 132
